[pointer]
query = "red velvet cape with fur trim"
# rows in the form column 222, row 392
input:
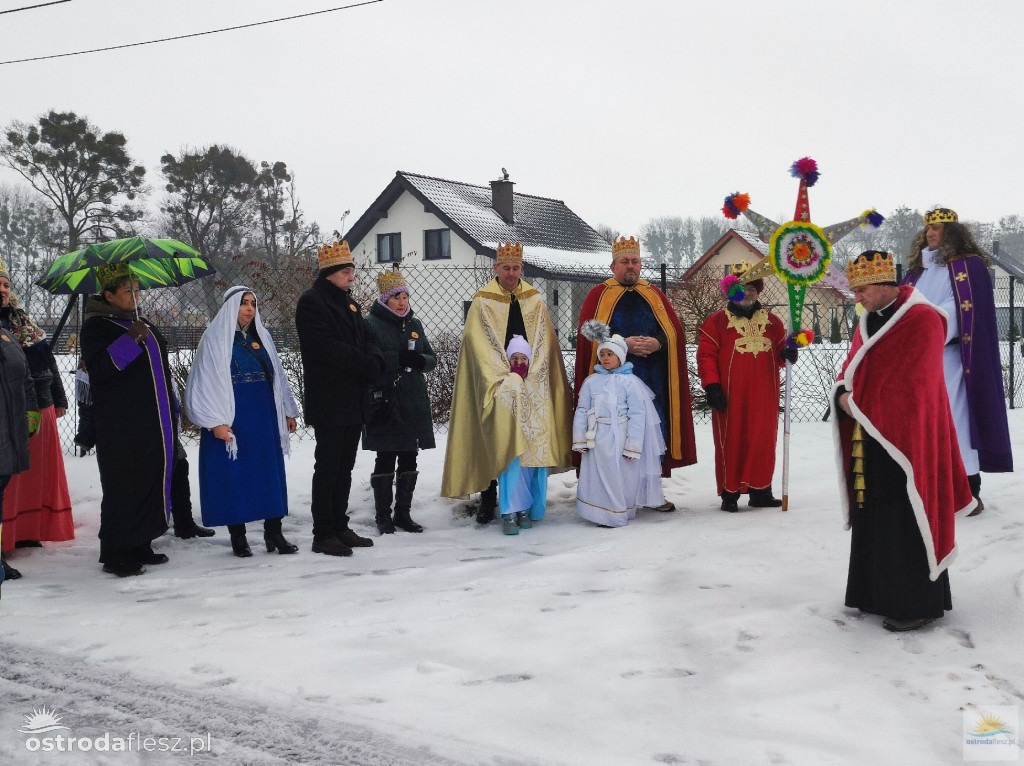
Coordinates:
column 898, row 395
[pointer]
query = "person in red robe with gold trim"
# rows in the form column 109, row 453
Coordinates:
column 656, row 344
column 739, row 353
column 902, row 478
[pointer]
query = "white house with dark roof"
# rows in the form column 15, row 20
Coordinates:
column 435, row 223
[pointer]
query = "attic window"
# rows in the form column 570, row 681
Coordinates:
column 437, row 244
column 389, row 247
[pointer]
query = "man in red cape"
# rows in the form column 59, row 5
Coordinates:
column 896, row 448
column 739, row 352
column 656, row 343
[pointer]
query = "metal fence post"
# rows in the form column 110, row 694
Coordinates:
column 1013, row 333
column 664, row 277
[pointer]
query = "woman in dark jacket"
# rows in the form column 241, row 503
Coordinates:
column 37, row 504
column 19, row 418
column 401, row 424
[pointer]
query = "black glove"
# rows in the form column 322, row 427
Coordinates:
column 411, row 359
column 138, row 331
column 715, row 396
column 788, row 355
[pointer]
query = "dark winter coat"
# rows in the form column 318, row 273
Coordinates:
column 45, row 375
column 136, row 418
column 340, row 357
column 412, row 427
column 17, row 397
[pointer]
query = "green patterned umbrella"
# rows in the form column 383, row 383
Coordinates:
column 154, row 262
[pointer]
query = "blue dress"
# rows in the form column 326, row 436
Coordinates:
column 253, row 486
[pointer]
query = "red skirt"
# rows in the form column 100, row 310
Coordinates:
column 36, row 502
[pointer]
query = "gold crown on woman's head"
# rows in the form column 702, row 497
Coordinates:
column 870, row 268
column 3, row 269
column 509, row 253
column 940, row 215
column 335, row 254
column 389, row 279
column 108, row 275
column 623, row 246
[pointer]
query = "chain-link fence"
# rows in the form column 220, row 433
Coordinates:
column 440, row 298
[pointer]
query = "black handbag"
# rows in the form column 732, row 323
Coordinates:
column 384, row 405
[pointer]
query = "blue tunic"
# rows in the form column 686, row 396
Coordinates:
column 633, row 316
column 253, row 486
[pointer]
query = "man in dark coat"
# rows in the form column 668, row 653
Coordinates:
column 136, row 418
column 340, row 360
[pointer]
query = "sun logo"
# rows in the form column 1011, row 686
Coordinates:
column 42, row 720
column 988, row 725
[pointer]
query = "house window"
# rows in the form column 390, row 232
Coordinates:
column 389, row 248
column 437, row 244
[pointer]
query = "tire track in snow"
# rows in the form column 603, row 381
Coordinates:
column 94, row 699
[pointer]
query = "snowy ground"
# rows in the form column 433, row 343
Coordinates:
column 693, row 637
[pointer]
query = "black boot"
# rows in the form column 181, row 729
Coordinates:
column 488, row 502
column 975, row 481
column 383, row 494
column 10, row 573
column 239, row 545
column 763, row 498
column 730, row 501
column 274, row 539
column 404, row 488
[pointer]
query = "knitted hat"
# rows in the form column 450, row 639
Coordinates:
column 871, row 267
column 518, row 345
column 390, row 283
column 617, row 345
column 336, row 255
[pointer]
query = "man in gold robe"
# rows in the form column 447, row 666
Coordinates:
column 497, row 416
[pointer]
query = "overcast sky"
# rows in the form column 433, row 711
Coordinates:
column 624, row 110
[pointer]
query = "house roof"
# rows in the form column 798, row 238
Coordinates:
column 556, row 242
column 834, row 279
column 1008, row 263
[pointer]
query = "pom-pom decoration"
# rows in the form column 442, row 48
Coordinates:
column 735, row 204
column 596, row 331
column 872, row 217
column 799, row 252
column 732, row 288
column 806, row 170
column 800, row 339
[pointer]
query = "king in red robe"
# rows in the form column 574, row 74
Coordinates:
column 902, row 478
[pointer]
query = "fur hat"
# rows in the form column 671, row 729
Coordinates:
column 617, row 345
column 518, row 345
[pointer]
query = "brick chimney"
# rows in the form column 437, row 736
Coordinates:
column 501, row 197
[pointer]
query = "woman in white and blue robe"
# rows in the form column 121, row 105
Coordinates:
column 238, row 394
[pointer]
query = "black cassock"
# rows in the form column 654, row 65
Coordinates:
column 888, row 565
column 136, row 418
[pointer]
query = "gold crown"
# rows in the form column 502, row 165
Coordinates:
column 738, row 269
column 509, row 253
column 107, row 275
column 870, row 268
column 336, row 254
column 940, row 215
column 623, row 246
column 386, row 280
column 3, row 269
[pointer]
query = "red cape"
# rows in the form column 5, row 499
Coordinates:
column 898, row 395
column 681, row 450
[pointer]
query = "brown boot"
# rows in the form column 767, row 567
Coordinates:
column 331, row 546
column 351, row 539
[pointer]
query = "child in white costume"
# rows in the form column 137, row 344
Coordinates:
column 617, row 430
column 522, row 491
